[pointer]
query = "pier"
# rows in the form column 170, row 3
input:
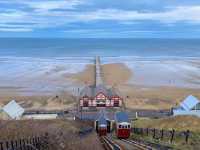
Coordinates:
column 99, row 94
column 98, row 72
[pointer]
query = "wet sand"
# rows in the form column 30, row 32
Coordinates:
column 139, row 96
column 85, row 77
column 113, row 74
column 116, row 74
column 64, row 85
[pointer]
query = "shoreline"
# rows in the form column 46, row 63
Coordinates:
column 58, row 79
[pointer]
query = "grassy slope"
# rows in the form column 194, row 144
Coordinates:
column 155, row 97
column 63, row 134
column 181, row 123
column 177, row 123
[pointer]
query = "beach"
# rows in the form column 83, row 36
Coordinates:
column 148, row 85
column 53, row 84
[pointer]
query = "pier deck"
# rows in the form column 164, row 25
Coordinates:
column 98, row 72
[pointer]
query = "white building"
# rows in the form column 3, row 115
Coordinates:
column 99, row 96
column 13, row 110
column 190, row 106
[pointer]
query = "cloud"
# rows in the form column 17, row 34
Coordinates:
column 180, row 13
column 54, row 4
column 111, row 31
column 42, row 14
column 15, row 29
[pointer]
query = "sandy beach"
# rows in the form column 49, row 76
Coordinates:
column 143, row 84
column 145, row 96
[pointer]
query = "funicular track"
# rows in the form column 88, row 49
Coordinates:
column 109, row 144
column 139, row 146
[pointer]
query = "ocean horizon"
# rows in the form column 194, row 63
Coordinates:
column 60, row 47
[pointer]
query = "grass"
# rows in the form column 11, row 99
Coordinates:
column 179, row 123
column 155, row 97
column 63, row 134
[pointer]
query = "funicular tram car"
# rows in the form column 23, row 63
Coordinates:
column 122, row 125
column 102, row 126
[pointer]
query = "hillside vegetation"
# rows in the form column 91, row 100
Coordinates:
column 178, row 123
column 63, row 134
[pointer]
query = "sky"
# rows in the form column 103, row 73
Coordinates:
column 100, row 18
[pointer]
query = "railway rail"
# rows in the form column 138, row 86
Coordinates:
column 108, row 144
column 138, row 145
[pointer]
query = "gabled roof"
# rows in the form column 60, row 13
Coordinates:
column 121, row 117
column 189, row 103
column 87, row 91
column 92, row 91
column 100, row 89
column 13, row 109
column 102, row 117
column 102, row 120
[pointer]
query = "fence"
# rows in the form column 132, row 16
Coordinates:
column 33, row 143
column 170, row 135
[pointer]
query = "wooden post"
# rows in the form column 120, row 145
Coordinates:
column 24, row 144
column 16, row 144
column 162, row 134
column 141, row 131
column 172, row 135
column 12, row 144
column 81, row 111
column 34, row 141
column 187, row 134
column 31, row 143
column 137, row 130
column 20, row 144
column 7, row 145
column 38, row 143
column 154, row 133
column 134, row 130
column 47, row 140
column 27, row 142
column 1, row 145
column 147, row 131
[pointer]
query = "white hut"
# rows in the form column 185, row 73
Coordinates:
column 190, row 106
column 13, row 110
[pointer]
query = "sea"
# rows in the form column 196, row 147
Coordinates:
column 36, row 64
column 57, row 47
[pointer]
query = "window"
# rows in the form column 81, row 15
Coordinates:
column 129, row 126
column 85, row 103
column 116, row 103
column 120, row 126
column 197, row 107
